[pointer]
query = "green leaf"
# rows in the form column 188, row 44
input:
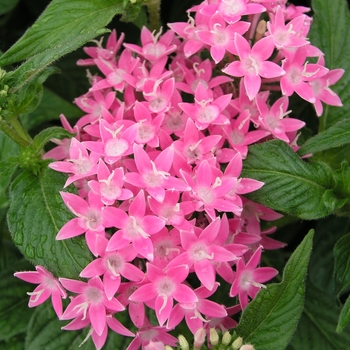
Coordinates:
column 7, row 5
column 64, row 26
column 269, row 321
column 342, row 263
column 30, row 95
column 332, row 17
column 46, row 135
column 36, row 214
column 337, row 135
column 344, row 317
column 14, row 311
column 291, row 185
column 316, row 329
column 49, row 109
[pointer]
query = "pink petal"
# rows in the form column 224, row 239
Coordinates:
column 205, row 272
column 97, row 314
column 184, row 294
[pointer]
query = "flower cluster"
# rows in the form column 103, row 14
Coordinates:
column 157, row 160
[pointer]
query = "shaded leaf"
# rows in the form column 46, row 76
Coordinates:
column 7, row 5
column 342, row 263
column 269, row 321
column 35, row 216
column 344, row 317
column 335, row 136
column 316, row 329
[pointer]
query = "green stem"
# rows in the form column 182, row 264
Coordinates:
column 17, row 126
column 154, row 13
column 13, row 134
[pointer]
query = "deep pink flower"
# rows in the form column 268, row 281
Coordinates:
column 48, row 286
column 249, row 278
column 165, row 286
column 253, row 63
column 91, row 301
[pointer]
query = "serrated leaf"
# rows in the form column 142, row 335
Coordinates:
column 35, row 216
column 335, row 136
column 30, row 95
column 50, row 108
column 77, row 21
column 316, row 329
column 291, row 185
column 14, row 311
column 46, row 135
column 344, row 317
column 330, row 31
column 342, row 263
column 269, row 321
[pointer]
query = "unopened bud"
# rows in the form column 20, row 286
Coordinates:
column 213, row 336
column 247, row 347
column 237, row 343
column 226, row 338
column 183, row 342
column 199, row 338
column 168, row 347
column 260, row 30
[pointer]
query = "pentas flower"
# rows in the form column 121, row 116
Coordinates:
column 148, row 334
column 322, row 92
column 164, row 287
column 209, row 188
column 48, row 286
column 114, row 265
column 299, row 74
column 193, row 312
column 288, row 35
column 201, row 252
column 274, row 121
column 80, row 163
column 221, row 37
column 206, row 110
column 109, row 185
column 154, row 46
column 91, row 301
column 135, row 228
column 117, row 140
column 249, row 278
column 154, row 175
column 253, row 63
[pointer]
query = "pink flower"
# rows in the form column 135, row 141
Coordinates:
column 253, row 63
column 135, row 227
column 165, row 286
column 91, row 302
column 249, row 278
column 48, row 286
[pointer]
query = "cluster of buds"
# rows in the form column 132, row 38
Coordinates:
column 157, row 160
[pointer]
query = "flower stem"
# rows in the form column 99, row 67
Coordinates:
column 153, row 7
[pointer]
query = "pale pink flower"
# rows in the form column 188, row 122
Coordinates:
column 249, row 278
column 299, row 74
column 91, row 302
column 80, row 163
column 48, row 286
column 165, row 286
column 273, row 119
column 110, row 185
column 88, row 220
column 154, row 175
column 220, row 37
column 253, row 63
column 201, row 252
column 154, row 46
column 113, row 266
column 206, row 110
